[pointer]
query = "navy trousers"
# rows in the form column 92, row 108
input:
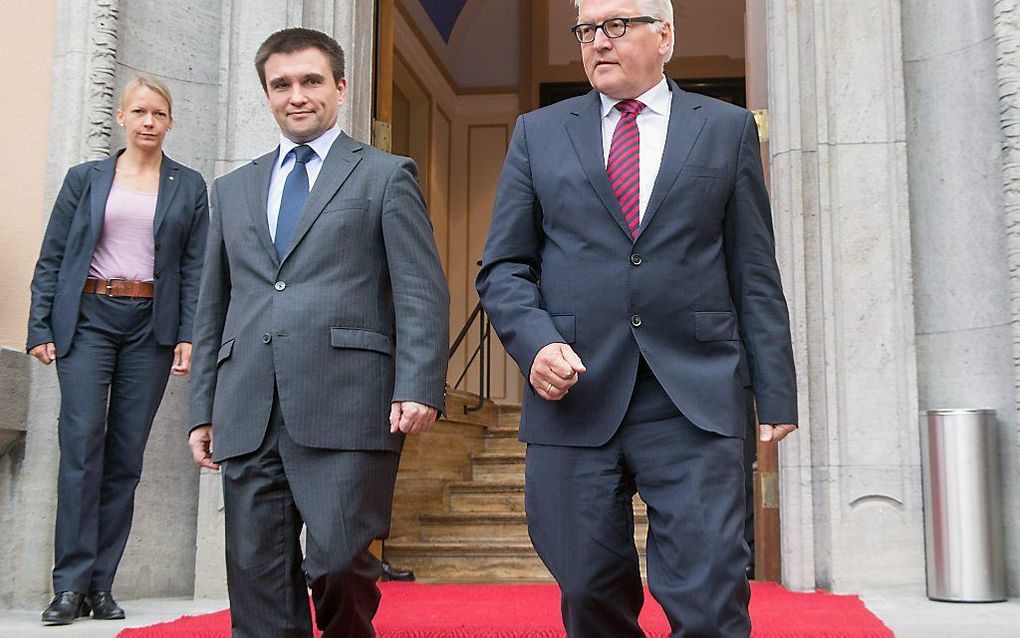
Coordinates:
column 111, row 383
column 581, row 521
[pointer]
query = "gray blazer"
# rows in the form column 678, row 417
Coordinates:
column 697, row 293
column 354, row 317
column 179, row 229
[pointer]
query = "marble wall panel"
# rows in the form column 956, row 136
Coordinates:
column 960, row 253
column 857, row 44
column 838, row 163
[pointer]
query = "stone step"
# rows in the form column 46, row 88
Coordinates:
column 468, row 562
column 457, row 402
column 497, row 467
column 508, row 416
column 472, row 562
column 491, row 526
column 474, row 526
column 503, row 441
column 475, row 496
column 499, row 496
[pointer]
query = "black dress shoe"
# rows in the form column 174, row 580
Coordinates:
column 104, row 607
column 64, row 608
column 391, row 573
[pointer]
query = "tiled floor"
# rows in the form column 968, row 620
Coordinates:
column 25, row 624
column 922, row 618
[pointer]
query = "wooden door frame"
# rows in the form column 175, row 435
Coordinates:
column 382, row 110
column 767, row 547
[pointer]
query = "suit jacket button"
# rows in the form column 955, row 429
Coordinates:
column 156, row 275
column 280, row 285
column 635, row 320
column 636, row 259
column 266, row 338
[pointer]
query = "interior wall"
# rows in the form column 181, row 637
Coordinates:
column 709, row 42
column 466, row 136
column 24, row 126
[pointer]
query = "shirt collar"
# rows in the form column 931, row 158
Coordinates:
column 655, row 99
column 320, row 145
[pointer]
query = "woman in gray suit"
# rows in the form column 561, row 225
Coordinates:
column 113, row 299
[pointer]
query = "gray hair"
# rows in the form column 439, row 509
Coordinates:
column 661, row 9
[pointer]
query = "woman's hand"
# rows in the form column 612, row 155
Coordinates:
column 182, row 359
column 45, row 352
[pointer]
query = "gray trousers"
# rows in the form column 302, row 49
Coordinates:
column 343, row 499
column 111, row 383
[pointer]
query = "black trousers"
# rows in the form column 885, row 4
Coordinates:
column 342, row 498
column 581, row 522
column 111, row 383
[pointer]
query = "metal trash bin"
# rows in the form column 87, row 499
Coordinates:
column 963, row 506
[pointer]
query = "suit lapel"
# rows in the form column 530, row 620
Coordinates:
column 585, row 130
column 341, row 159
column 102, row 182
column 169, row 179
column 258, row 196
column 685, row 124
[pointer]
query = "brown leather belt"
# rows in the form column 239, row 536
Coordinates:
column 119, row 288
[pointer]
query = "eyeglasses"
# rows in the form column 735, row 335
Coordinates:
column 613, row 28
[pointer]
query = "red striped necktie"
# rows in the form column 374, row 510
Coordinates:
column 625, row 163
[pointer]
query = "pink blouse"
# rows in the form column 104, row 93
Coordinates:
column 125, row 249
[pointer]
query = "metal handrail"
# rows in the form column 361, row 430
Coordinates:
column 482, row 350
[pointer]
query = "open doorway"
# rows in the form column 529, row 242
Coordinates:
column 452, row 77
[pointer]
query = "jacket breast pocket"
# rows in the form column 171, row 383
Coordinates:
column 711, row 172
column 566, row 325
column 360, row 339
column 716, row 326
column 224, row 353
column 350, row 204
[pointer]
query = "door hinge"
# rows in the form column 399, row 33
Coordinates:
column 761, row 118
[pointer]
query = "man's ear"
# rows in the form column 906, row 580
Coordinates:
column 667, row 33
column 341, row 88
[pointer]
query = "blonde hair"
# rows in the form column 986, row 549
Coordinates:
column 154, row 84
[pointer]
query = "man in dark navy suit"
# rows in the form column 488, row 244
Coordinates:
column 630, row 271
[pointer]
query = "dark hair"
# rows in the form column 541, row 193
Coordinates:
column 299, row 39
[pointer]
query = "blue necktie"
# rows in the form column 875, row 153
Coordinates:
column 295, row 193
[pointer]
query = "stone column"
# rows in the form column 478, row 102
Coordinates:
column 180, row 43
column 353, row 26
column 961, row 280
column 85, row 44
column 849, row 480
column 1007, row 50
column 249, row 129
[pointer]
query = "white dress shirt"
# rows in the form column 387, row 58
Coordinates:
column 652, row 123
column 285, row 164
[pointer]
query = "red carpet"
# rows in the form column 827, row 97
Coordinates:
column 411, row 610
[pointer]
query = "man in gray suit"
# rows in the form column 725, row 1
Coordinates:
column 320, row 341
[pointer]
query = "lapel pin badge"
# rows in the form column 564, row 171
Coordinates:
column 171, row 177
